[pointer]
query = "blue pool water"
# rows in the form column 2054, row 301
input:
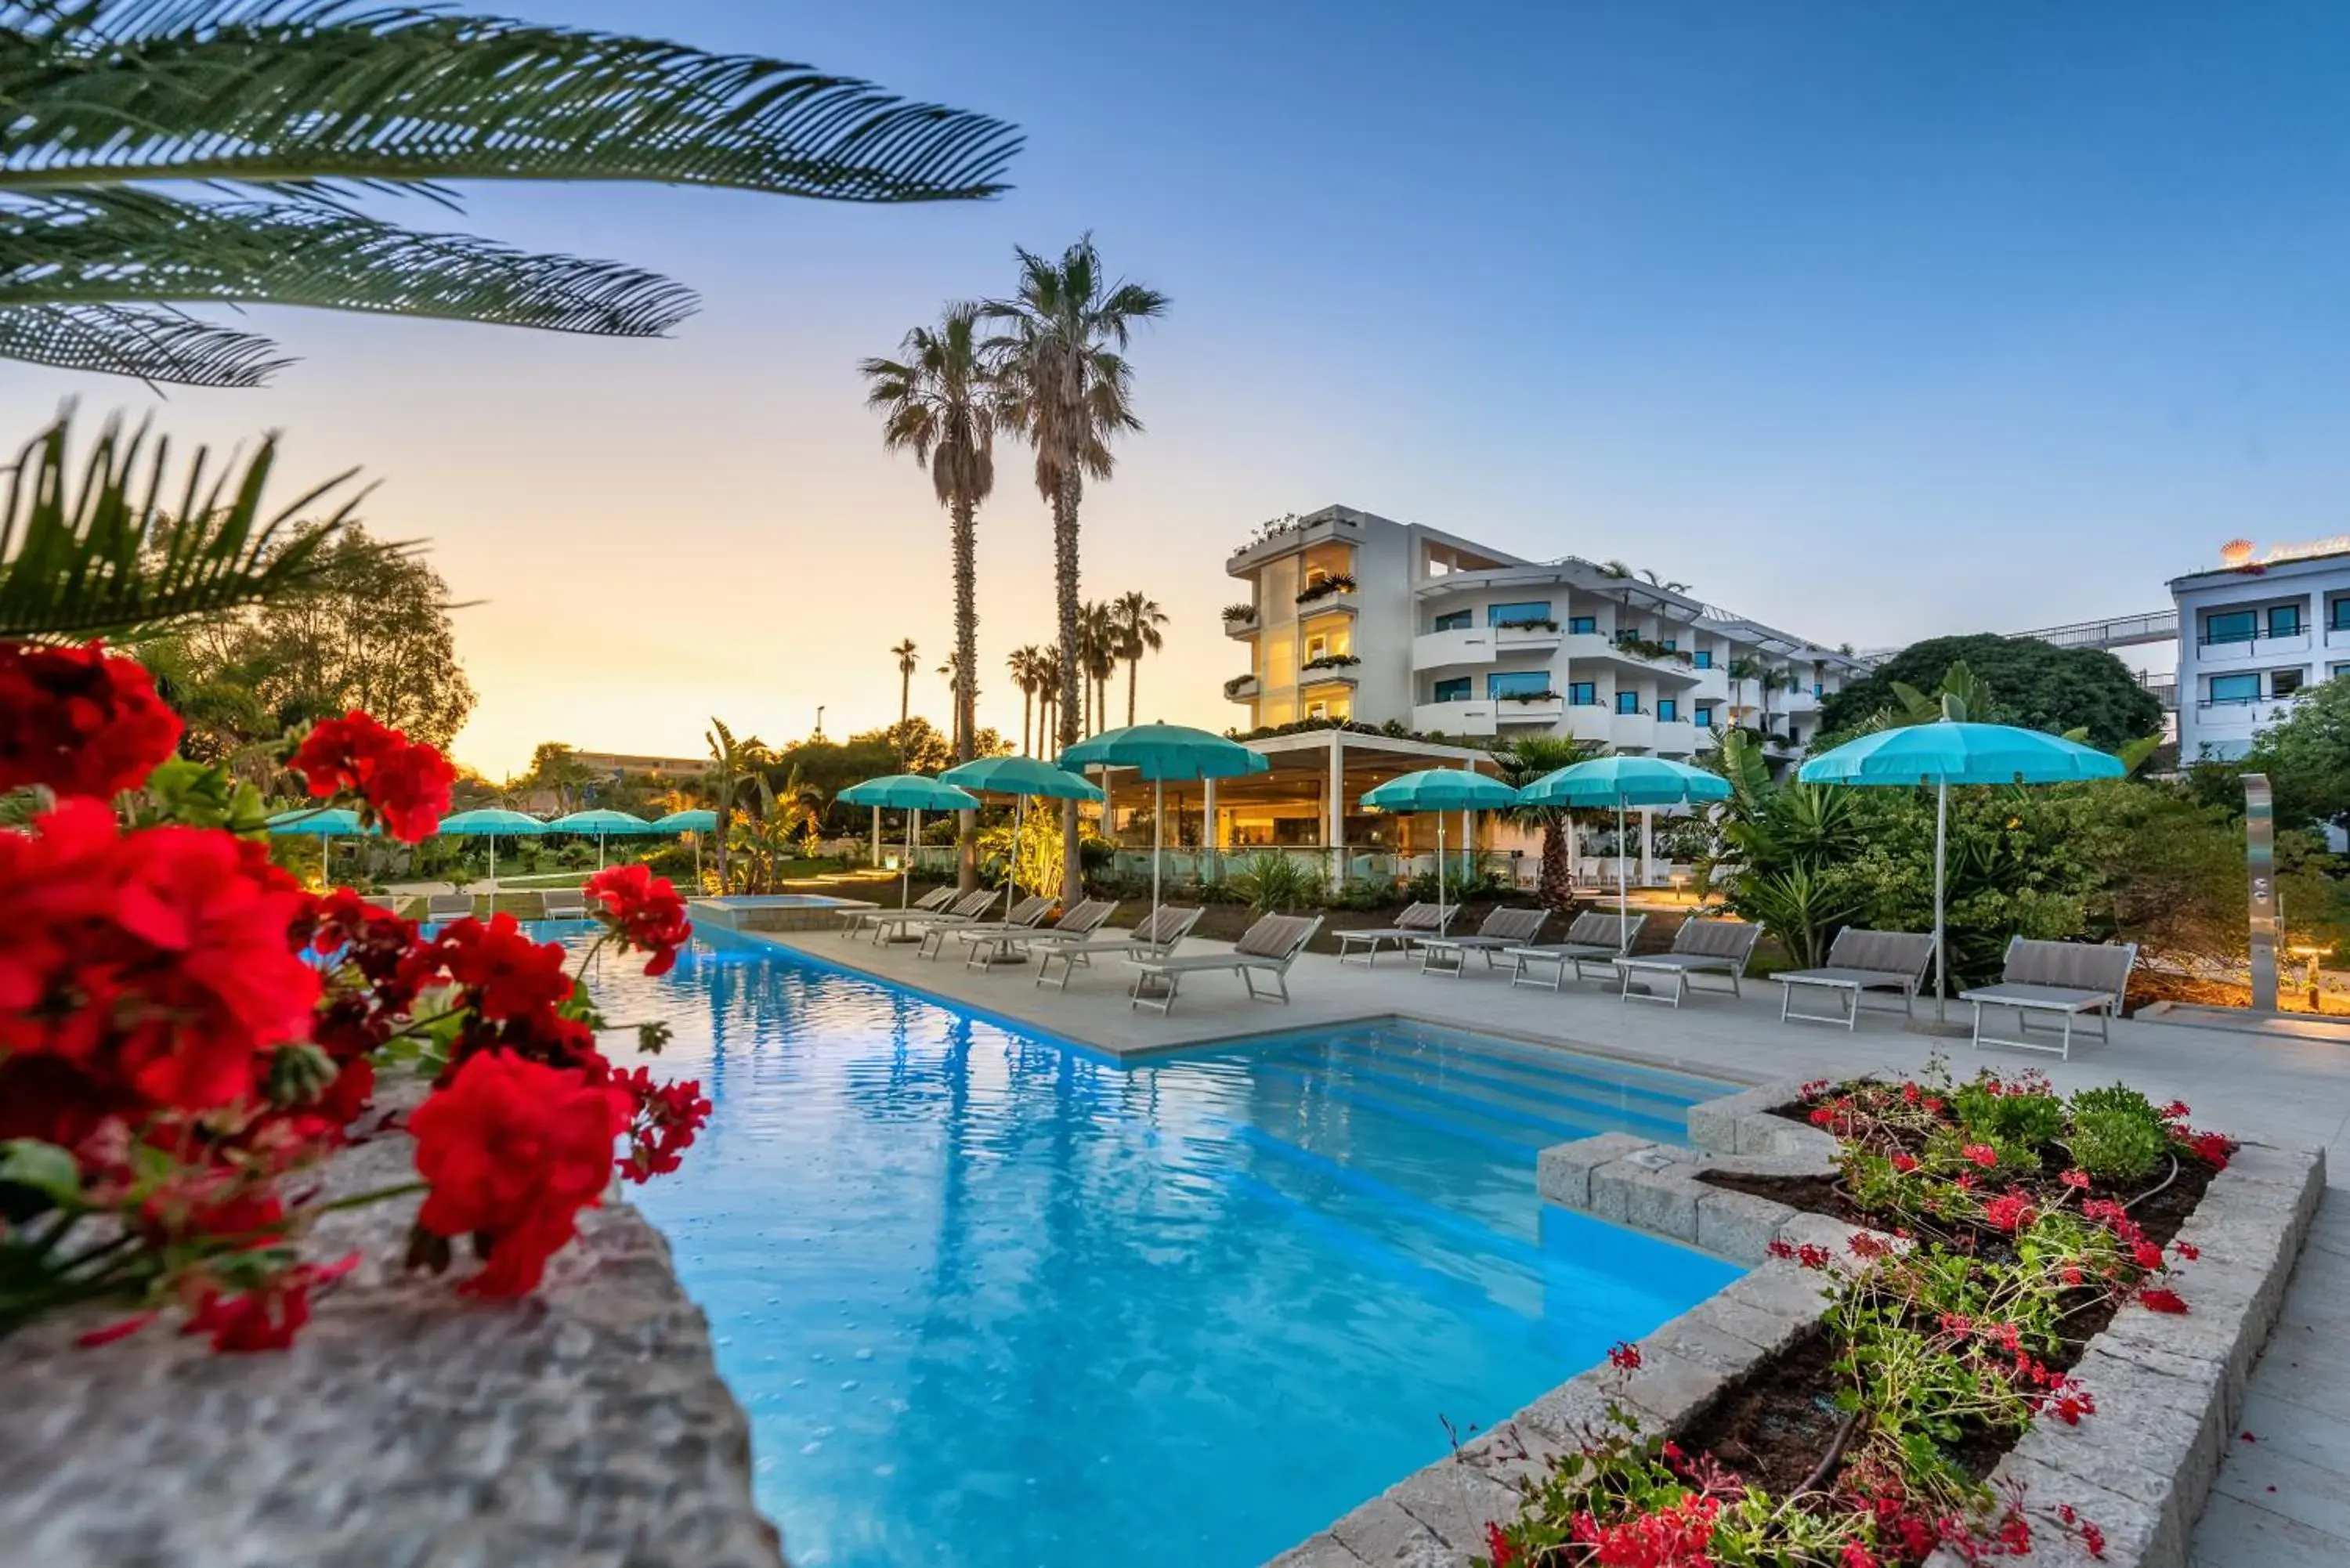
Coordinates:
column 994, row 1299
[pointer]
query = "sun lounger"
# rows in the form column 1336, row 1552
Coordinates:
column 896, row 925
column 1155, row 938
column 1267, row 947
column 2067, row 980
column 1591, row 939
column 1700, row 946
column 1858, row 962
column 1029, row 911
column 1079, row 923
column 563, row 904
column 448, row 906
column 1417, row 920
column 855, row 921
column 1502, row 929
column 387, row 902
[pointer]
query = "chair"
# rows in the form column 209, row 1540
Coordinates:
column 988, row 947
column 1700, row 946
column 1591, row 939
column 387, row 902
column 855, row 921
column 2067, row 979
column 1155, row 938
column 448, row 906
column 563, row 904
column 1029, row 911
column 1417, row 920
column 895, row 925
column 1503, row 930
column 1859, row 961
column 1267, row 947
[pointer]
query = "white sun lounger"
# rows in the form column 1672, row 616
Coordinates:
column 896, row 925
column 1417, row 920
column 1700, row 946
column 1503, row 930
column 448, row 906
column 1029, row 911
column 2067, row 980
column 855, row 921
column 1858, row 962
column 1155, row 938
column 990, row 947
column 563, row 904
column 1267, row 947
column 1590, row 938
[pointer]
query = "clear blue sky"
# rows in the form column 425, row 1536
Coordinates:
column 1875, row 320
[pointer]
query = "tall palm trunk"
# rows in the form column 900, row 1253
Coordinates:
column 966, row 581
column 905, row 706
column 1554, row 885
column 1064, row 584
column 1131, row 666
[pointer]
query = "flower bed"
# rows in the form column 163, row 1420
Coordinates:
column 2006, row 1226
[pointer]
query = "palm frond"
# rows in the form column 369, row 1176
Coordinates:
column 153, row 344
column 113, row 552
column 134, row 245
column 336, row 96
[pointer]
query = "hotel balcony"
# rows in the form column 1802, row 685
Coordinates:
column 1470, row 717
column 1240, row 625
column 1675, row 738
column 1532, row 637
column 1588, row 721
column 2232, row 721
column 1797, row 700
column 2246, row 649
column 2337, row 639
column 1241, row 689
column 1546, row 711
column 1632, row 731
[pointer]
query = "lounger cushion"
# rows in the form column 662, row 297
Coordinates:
column 1706, row 961
column 1884, row 952
column 2100, row 967
column 1837, row 974
column 1732, row 940
column 2040, row 998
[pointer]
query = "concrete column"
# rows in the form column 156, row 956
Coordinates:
column 876, row 837
column 1334, row 811
column 1468, row 828
column 1210, row 840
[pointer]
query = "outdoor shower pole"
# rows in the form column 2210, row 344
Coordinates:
column 2260, row 867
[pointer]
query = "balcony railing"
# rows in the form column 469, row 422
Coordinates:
column 1327, row 588
column 1241, row 688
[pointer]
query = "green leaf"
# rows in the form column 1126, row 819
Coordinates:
column 44, row 1167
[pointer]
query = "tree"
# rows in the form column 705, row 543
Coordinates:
column 908, row 661
column 370, row 629
column 733, row 764
column 1030, row 671
column 1097, row 653
column 284, row 113
column 2306, row 755
column 1785, row 843
column 1138, row 617
column 1525, row 760
column 557, row 769
column 2039, row 686
column 1064, row 384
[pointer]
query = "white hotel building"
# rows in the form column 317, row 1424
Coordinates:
column 2253, row 635
column 1353, row 617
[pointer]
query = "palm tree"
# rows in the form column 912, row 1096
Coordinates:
column 1650, row 573
column 733, row 764
column 1520, row 763
column 1746, row 667
column 1065, row 383
column 1139, row 619
column 1048, row 695
column 284, row 113
column 1029, row 673
column 959, row 733
column 1098, row 654
column 908, row 661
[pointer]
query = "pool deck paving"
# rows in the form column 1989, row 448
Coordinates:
column 2282, row 1497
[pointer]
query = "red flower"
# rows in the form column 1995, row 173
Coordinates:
column 666, row 1119
column 268, row 1317
column 2093, row 1540
column 153, row 963
column 2075, row 1178
column 1855, row 1555
column 2212, row 1149
column 2186, row 1250
column 2146, row 1254
column 80, row 720
column 1624, row 1356
column 403, row 784
column 1982, row 1154
column 504, row 973
column 1500, row 1549
column 514, row 1149
column 1904, row 1162
column 2176, row 1111
column 2010, row 1211
column 643, row 910
column 2162, row 1301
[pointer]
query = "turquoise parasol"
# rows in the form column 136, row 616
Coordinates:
column 492, row 823
column 603, row 823
column 1619, row 782
column 1440, row 790
column 1952, row 752
column 1160, row 753
column 696, row 822
column 911, row 793
column 1019, row 777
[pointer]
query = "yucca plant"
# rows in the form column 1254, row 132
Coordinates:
column 286, row 112
column 1272, row 883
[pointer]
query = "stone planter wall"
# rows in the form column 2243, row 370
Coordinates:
column 2168, row 1388
column 407, row 1426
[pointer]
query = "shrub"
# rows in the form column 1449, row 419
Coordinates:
column 2116, row 1146
column 1272, row 883
column 2000, row 1112
column 1362, row 893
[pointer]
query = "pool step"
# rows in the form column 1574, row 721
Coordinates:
column 1521, row 1098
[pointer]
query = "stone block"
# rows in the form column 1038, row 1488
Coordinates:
column 1738, row 1225
column 1516, row 1454
column 2136, row 1533
column 2165, row 1413
column 1768, row 1330
column 1562, row 1171
column 1322, row 1550
column 1456, row 1502
column 1670, row 1386
column 1697, row 1336
column 1661, row 1202
column 1713, row 1123
column 1570, row 1412
column 1383, row 1535
column 1781, row 1289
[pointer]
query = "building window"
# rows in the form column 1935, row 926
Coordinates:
column 2235, row 689
column 1819, row 689
column 1670, row 644
column 1588, row 625
column 1583, row 694
column 2337, row 671
column 1704, row 657
column 1317, row 647
column 1702, row 716
column 2284, row 620
column 1318, row 709
column 2231, row 625
column 1518, row 614
column 2285, row 682
column 1454, row 690
column 1627, row 701
column 1517, row 683
column 1456, row 622
column 1795, row 736
column 1668, row 710
column 2339, row 619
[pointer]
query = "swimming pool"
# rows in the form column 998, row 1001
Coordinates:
column 995, row 1300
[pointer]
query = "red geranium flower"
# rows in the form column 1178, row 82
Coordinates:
column 666, row 1119
column 80, row 720
column 514, row 1149
column 2010, row 1211
column 643, row 910
column 1624, row 1356
column 2075, row 1178
column 1982, row 1154
column 268, row 1317
column 401, row 783
column 504, row 973
column 2162, row 1301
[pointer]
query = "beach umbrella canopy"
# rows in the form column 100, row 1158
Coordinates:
column 1619, row 782
column 332, row 821
column 911, row 793
column 604, row 824
column 1953, row 751
column 1440, row 790
column 688, row 822
column 1020, row 777
column 490, row 822
column 1160, row 753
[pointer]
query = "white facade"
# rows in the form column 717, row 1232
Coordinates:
column 2250, row 640
column 1353, row 617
